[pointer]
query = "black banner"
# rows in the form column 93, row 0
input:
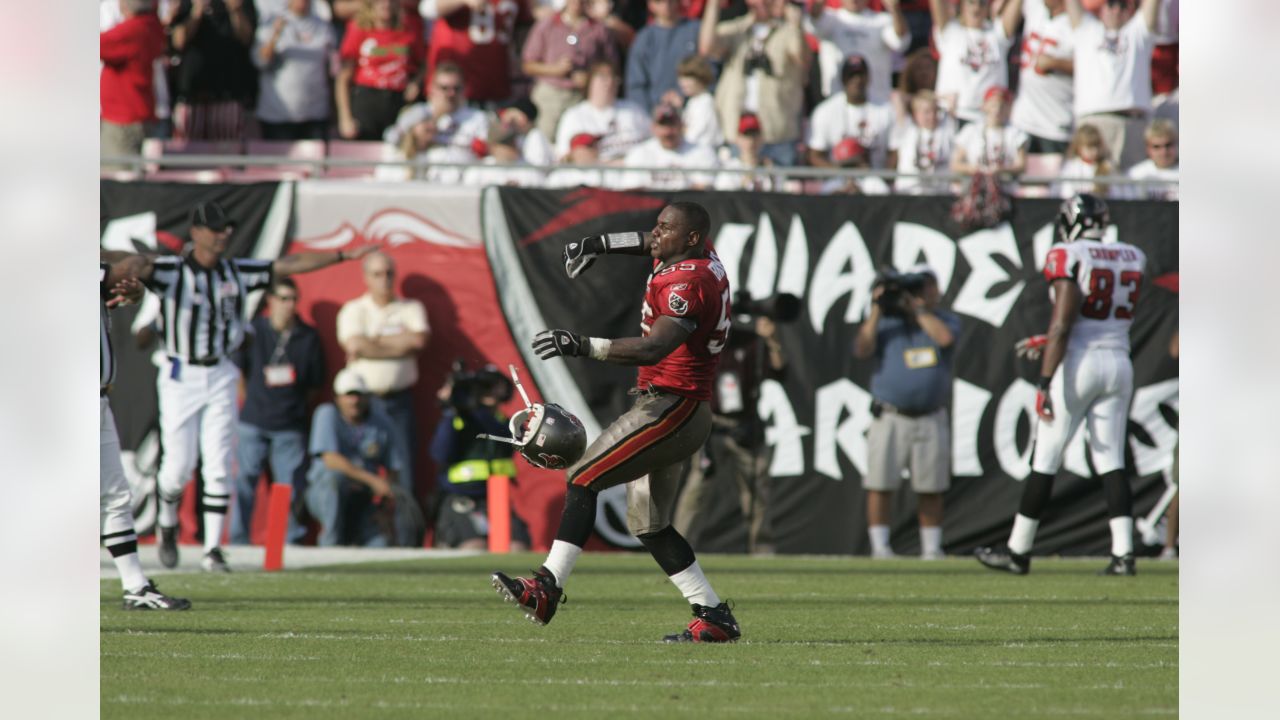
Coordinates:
column 826, row 250
column 155, row 217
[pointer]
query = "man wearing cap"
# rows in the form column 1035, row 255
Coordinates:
column 355, row 465
column 856, row 29
column 911, row 340
column 850, row 116
column 383, row 335
column 851, row 154
column 668, row 149
column 748, row 143
column 203, row 297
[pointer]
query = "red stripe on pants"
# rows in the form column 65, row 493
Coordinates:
column 637, row 443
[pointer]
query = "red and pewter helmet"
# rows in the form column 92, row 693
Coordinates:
column 1082, row 216
column 547, row 435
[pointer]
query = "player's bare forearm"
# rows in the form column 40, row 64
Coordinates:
column 306, row 262
column 1066, row 305
column 665, row 336
column 340, row 463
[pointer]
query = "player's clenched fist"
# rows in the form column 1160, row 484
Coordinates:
column 580, row 254
column 551, row 343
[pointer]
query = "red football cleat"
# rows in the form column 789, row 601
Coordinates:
column 709, row 624
column 538, row 597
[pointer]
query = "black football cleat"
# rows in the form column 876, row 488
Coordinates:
column 1002, row 558
column 538, row 596
column 169, row 546
column 709, row 625
column 150, row 598
column 1120, row 565
column 215, row 561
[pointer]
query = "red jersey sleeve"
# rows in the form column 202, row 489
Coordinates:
column 1058, row 265
column 351, row 40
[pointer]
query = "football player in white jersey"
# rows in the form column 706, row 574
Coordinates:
column 1085, row 376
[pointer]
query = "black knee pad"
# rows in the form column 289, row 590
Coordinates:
column 669, row 548
column 579, row 515
column 1035, row 495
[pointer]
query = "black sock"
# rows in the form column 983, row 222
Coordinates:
column 670, row 549
column 579, row 515
column 1119, row 494
column 1035, row 495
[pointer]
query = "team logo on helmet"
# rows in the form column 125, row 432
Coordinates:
column 547, row 435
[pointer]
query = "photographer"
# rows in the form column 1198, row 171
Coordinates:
column 466, row 462
column 911, row 339
column 736, row 450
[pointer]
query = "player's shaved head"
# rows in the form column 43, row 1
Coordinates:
column 696, row 219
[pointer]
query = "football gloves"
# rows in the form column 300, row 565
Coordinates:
column 552, row 343
column 1030, row 348
column 1044, row 404
column 579, row 255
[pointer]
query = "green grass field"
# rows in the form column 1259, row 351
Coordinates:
column 821, row 637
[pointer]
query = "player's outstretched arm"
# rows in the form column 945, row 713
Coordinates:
column 666, row 335
column 306, row 262
column 580, row 254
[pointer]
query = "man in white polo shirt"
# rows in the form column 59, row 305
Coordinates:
column 1043, row 108
column 383, row 335
column 1113, row 73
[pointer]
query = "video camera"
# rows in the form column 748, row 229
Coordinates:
column 466, row 387
column 782, row 308
column 896, row 286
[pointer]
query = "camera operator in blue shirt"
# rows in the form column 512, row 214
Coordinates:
column 911, row 340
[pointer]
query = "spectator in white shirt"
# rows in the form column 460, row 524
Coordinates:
column 535, row 147
column 502, row 163
column 850, row 115
column 855, row 29
column 972, row 52
column 748, row 141
column 1161, row 163
column 621, row 124
column 852, row 155
column 1113, row 73
column 441, row 130
column 668, row 149
column 694, row 76
column 1043, row 108
column 923, row 144
column 1086, row 159
column 993, row 145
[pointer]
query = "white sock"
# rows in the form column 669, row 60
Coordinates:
column 1121, row 536
column 879, row 535
column 561, row 559
column 131, row 575
column 168, row 514
column 1024, row 534
column 213, row 524
column 695, row 587
column 930, row 540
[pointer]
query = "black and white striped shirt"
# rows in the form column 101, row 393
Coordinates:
column 202, row 309
column 106, row 358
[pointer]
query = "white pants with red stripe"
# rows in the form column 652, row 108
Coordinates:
column 1094, row 386
column 198, row 417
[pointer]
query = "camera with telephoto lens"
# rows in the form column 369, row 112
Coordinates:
column 897, row 286
column 466, row 386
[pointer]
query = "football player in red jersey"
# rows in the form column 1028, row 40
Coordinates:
column 684, row 326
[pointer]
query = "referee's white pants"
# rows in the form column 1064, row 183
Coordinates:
column 198, row 416
column 113, row 487
column 1094, row 386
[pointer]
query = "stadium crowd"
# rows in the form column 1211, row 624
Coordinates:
column 672, row 94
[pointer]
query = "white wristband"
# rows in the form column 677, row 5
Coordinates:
column 600, row 348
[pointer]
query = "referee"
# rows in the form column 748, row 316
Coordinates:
column 202, row 297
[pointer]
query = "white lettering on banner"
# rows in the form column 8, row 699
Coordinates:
column 794, row 276
column 121, row 232
column 980, row 250
column 1146, row 412
column 764, row 260
column 911, row 240
column 834, row 401
column 784, row 434
column 731, row 241
column 844, row 268
column 969, row 402
column 1019, row 401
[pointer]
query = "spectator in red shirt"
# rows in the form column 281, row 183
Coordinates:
column 478, row 35
column 556, row 55
column 382, row 63
column 127, row 91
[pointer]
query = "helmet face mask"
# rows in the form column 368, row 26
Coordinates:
column 1082, row 216
column 547, row 435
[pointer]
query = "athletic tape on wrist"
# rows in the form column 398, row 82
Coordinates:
column 600, row 348
column 623, row 242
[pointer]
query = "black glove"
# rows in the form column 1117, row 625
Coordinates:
column 551, row 343
column 579, row 255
